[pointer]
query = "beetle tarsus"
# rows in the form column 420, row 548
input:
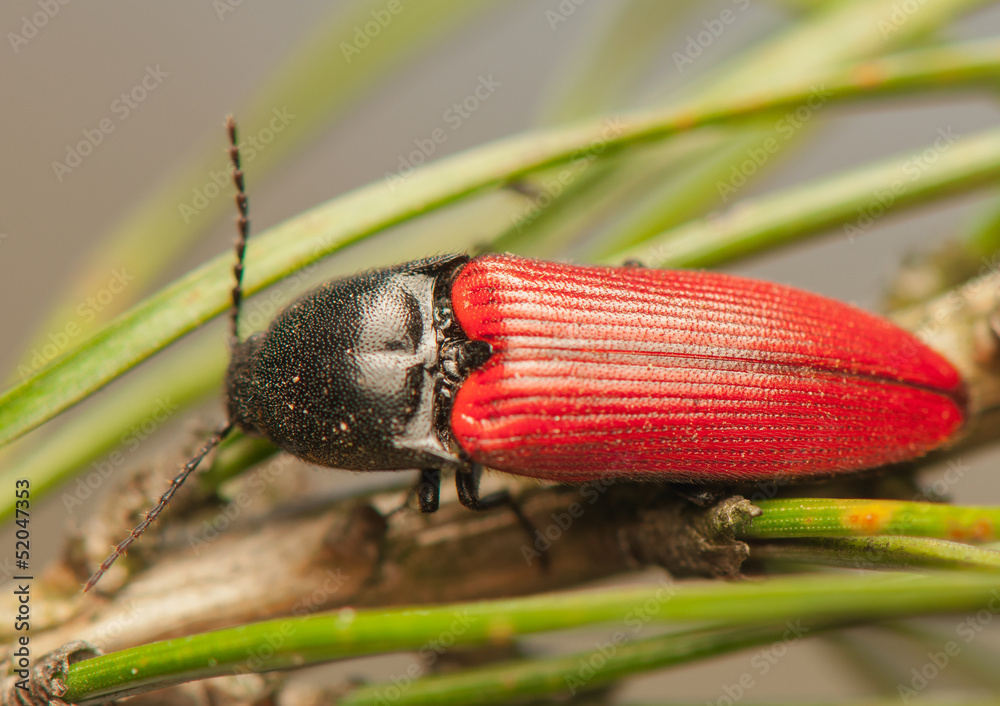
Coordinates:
column 467, row 485
column 429, row 490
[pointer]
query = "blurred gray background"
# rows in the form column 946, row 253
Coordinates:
column 66, row 78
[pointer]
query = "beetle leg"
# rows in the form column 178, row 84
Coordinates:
column 428, row 492
column 429, row 489
column 467, row 485
column 699, row 495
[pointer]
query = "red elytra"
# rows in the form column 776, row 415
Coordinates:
column 685, row 375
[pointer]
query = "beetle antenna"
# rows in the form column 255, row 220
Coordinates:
column 242, row 224
column 242, row 232
column 151, row 516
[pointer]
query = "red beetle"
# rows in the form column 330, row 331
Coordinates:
column 570, row 373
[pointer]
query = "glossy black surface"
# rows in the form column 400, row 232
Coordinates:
column 358, row 373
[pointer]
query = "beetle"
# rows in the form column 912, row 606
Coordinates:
column 572, row 373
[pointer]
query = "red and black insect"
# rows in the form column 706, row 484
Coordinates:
column 574, row 374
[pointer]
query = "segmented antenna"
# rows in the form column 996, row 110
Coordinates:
column 242, row 224
column 243, row 230
column 151, row 516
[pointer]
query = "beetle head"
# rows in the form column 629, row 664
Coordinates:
column 347, row 375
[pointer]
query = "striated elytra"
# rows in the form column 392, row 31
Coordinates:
column 571, row 373
column 574, row 374
column 688, row 376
